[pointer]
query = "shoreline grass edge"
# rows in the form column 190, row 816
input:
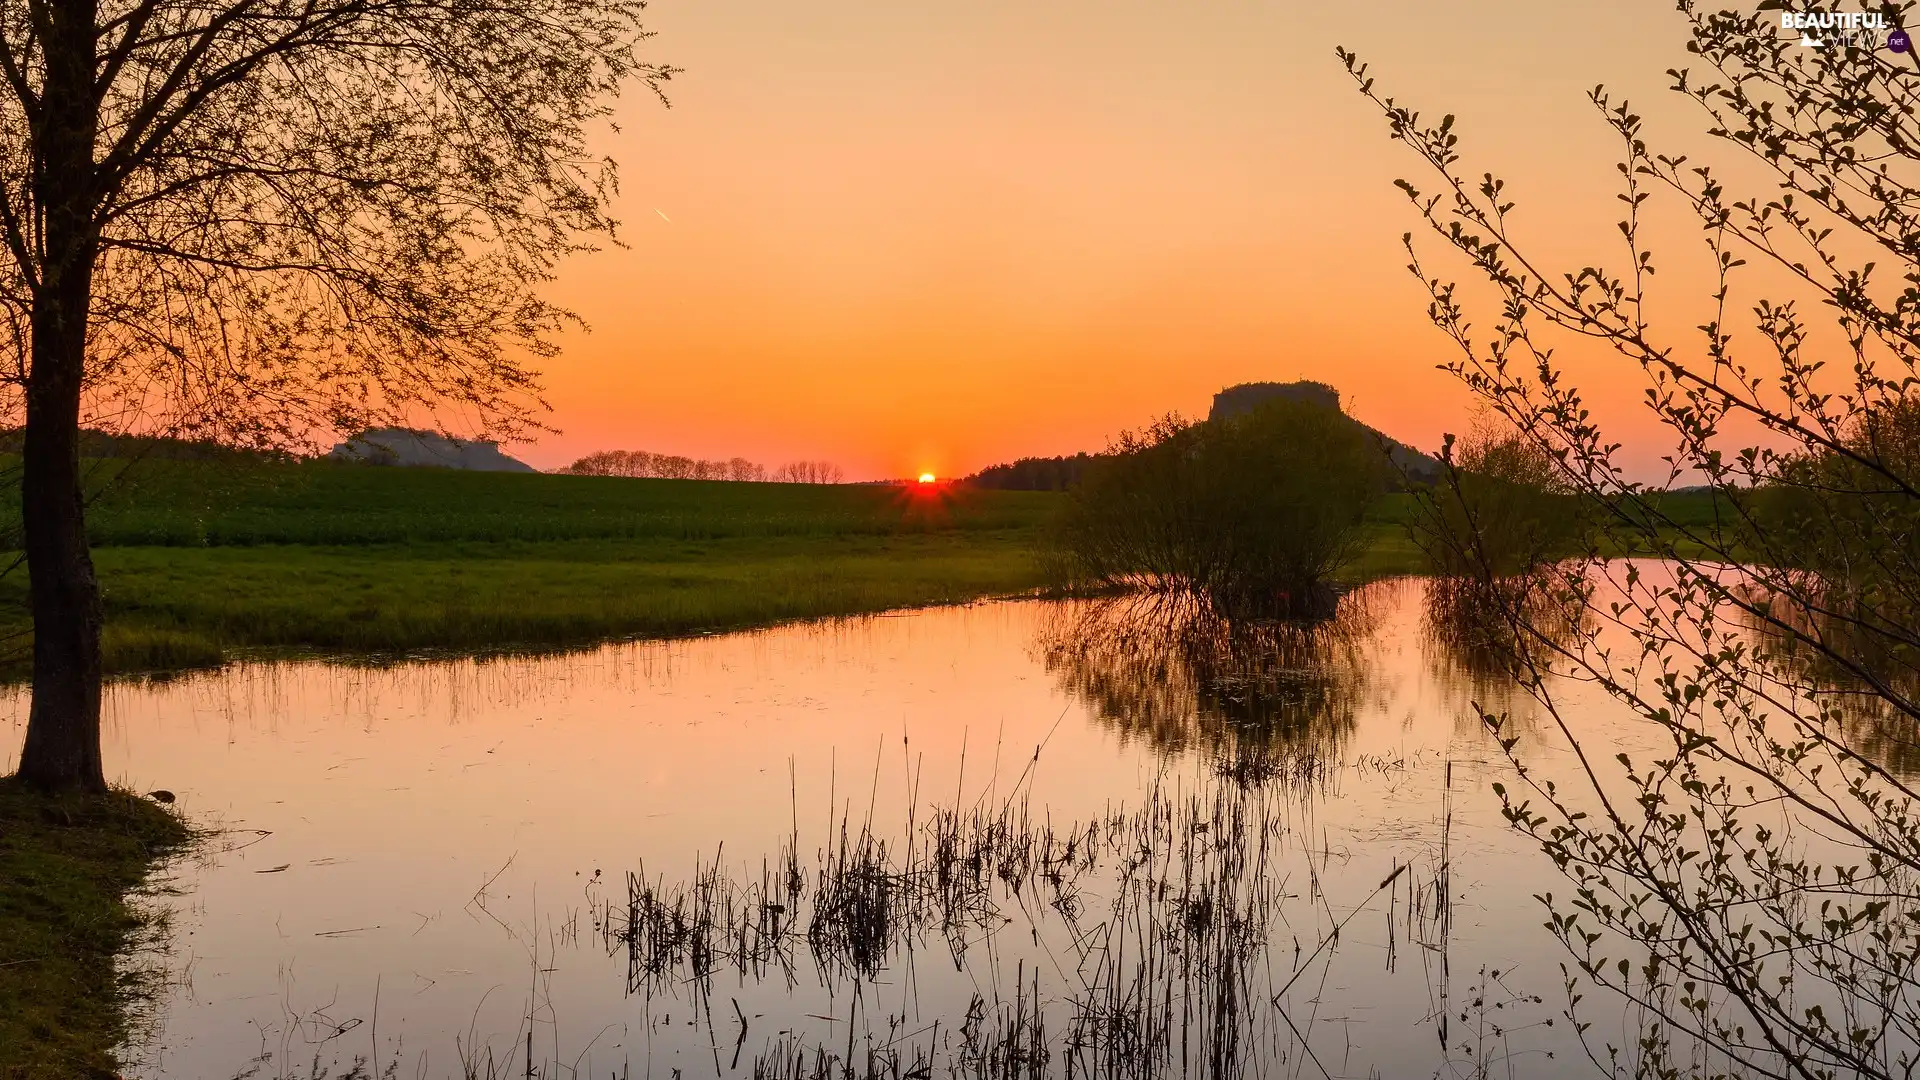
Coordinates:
column 70, row 867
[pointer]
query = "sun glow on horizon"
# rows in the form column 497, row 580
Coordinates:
column 927, row 478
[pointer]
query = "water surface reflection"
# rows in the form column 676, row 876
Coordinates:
column 433, row 861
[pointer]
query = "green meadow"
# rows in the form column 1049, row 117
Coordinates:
column 200, row 561
column 217, row 504
column 203, row 560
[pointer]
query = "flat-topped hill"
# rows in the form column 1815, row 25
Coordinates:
column 1240, row 400
column 410, row 448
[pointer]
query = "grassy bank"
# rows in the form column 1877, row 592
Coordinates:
column 66, row 867
column 169, row 606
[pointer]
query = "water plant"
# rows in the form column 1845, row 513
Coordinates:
column 1177, row 913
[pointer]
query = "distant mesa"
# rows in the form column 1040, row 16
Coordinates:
column 1242, row 399
column 410, row 448
column 1060, row 473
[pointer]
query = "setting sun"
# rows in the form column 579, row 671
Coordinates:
column 926, row 478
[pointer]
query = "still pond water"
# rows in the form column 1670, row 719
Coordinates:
column 424, row 863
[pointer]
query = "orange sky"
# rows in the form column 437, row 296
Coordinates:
column 934, row 236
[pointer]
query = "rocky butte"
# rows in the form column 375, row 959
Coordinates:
column 1240, row 400
column 408, row 447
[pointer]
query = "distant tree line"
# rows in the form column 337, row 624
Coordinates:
column 641, row 463
column 1035, row 473
column 808, row 472
column 107, row 444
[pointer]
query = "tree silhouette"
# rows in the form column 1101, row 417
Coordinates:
column 1746, row 891
column 256, row 220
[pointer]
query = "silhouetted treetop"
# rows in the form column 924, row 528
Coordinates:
column 260, row 221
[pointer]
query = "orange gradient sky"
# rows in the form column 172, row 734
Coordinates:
column 927, row 237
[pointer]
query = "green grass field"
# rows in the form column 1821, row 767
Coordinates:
column 199, row 560
column 202, row 560
column 212, row 504
column 476, row 595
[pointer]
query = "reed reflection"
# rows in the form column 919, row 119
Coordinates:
column 1260, row 695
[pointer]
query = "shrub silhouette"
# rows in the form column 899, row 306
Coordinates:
column 1500, row 507
column 1252, row 513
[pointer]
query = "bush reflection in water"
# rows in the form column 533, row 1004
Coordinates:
column 1264, row 697
column 1499, row 636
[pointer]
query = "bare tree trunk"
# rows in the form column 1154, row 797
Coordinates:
column 62, row 750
